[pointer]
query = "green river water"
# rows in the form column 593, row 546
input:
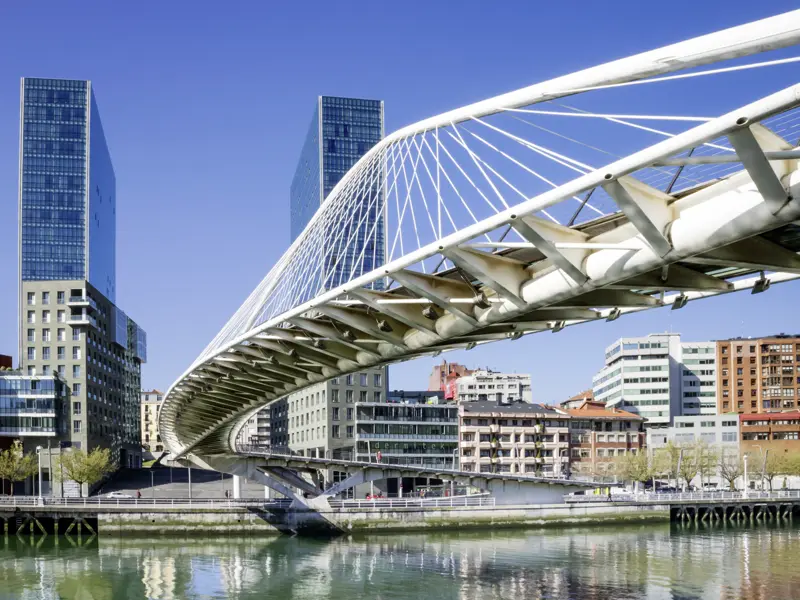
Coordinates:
column 653, row 561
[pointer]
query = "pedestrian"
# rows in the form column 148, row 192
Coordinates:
column 138, row 494
column 226, row 493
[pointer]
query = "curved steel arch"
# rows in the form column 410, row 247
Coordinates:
column 301, row 326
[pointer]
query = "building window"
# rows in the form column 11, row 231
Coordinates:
column 76, row 389
column 45, row 370
column 31, row 316
column 377, row 380
column 62, row 335
column 31, row 335
column 45, row 335
column 376, row 396
column 335, row 431
column 45, row 316
column 45, row 298
column 31, row 353
column 349, row 414
column 363, row 379
column 349, row 379
column 348, row 395
column 61, row 316
column 362, row 396
column 31, row 298
column 76, row 335
column 76, row 408
column 60, row 297
column 62, row 370
column 32, row 371
column 349, row 431
column 334, row 396
column 76, row 371
column 46, row 353
column 335, row 413
column 62, row 355
column 76, row 353
column 76, row 427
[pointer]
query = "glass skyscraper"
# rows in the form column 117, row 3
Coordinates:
column 70, row 325
column 67, row 188
column 342, row 130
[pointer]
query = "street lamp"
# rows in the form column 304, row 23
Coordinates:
column 744, row 459
column 39, row 452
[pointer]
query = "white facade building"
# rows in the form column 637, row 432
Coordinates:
column 658, row 378
column 485, row 385
column 715, row 430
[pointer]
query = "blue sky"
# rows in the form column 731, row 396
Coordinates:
column 205, row 106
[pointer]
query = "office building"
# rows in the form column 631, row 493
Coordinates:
column 443, row 377
column 412, row 427
column 150, row 408
column 658, row 377
column 721, row 431
column 514, row 437
column 342, row 130
column 599, row 434
column 484, row 385
column 69, row 322
column 759, row 375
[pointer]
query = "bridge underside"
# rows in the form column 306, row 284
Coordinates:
column 658, row 247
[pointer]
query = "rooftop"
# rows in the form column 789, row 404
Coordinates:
column 595, row 410
column 519, row 407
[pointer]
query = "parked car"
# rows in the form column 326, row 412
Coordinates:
column 118, row 495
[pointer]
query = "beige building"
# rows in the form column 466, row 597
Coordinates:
column 150, row 407
column 515, row 437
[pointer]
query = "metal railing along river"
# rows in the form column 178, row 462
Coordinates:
column 133, row 503
column 706, row 496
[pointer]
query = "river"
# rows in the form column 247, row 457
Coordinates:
column 653, row 561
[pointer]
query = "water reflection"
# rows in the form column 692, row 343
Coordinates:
column 632, row 562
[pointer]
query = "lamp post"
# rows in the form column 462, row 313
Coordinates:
column 744, row 492
column 152, row 486
column 39, row 453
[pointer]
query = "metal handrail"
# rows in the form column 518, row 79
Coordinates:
column 660, row 498
column 438, row 502
column 104, row 501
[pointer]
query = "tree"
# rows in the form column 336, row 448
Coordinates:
column 634, row 466
column 731, row 467
column 776, row 464
column 707, row 458
column 15, row 465
column 82, row 468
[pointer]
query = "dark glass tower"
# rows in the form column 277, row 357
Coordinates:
column 67, row 188
column 342, row 130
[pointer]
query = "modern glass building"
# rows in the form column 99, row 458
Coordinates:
column 70, row 325
column 342, row 130
column 67, row 186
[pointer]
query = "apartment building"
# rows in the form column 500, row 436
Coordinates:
column 484, row 385
column 413, row 427
column 759, row 375
column 775, row 431
column 514, row 437
column 444, row 378
column 599, row 434
column 658, row 377
column 150, row 407
column 578, row 399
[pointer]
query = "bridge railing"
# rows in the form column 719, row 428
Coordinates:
column 104, row 501
column 477, row 500
column 687, row 497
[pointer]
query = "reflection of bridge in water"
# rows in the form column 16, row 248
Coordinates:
column 498, row 226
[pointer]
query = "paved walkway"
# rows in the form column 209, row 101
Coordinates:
column 174, row 483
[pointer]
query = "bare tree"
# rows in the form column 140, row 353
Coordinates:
column 731, row 467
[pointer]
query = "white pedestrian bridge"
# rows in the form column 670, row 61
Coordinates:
column 557, row 204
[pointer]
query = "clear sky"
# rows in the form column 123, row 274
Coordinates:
column 205, row 106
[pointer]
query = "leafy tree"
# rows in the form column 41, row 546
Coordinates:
column 688, row 465
column 634, row 466
column 82, row 468
column 707, row 458
column 776, row 464
column 731, row 467
column 15, row 465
